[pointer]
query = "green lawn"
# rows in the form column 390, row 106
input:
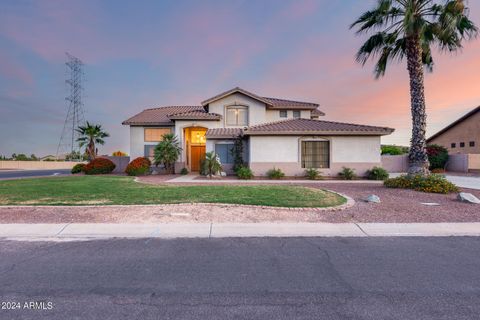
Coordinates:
column 86, row 190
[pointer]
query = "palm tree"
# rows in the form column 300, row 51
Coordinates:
column 408, row 29
column 91, row 134
column 167, row 152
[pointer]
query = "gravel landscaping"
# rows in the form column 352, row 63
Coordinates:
column 397, row 206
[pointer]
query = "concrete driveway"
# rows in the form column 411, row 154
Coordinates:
column 19, row 174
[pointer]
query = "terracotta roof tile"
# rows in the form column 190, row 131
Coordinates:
column 317, row 112
column 223, row 132
column 156, row 116
column 195, row 115
column 290, row 104
column 310, row 126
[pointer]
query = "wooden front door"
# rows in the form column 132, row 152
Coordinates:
column 197, row 153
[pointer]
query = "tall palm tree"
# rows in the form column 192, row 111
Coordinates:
column 408, row 29
column 91, row 134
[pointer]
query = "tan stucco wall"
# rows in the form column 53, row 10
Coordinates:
column 358, row 152
column 37, row 165
column 256, row 109
column 466, row 131
column 274, row 115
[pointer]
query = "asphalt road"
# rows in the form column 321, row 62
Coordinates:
column 12, row 174
column 252, row 278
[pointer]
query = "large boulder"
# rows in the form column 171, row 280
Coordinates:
column 372, row 199
column 468, row 197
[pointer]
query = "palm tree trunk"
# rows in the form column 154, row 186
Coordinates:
column 418, row 159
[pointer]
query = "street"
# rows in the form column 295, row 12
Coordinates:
column 248, row 278
column 12, row 174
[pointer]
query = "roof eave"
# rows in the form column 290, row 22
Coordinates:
column 318, row 133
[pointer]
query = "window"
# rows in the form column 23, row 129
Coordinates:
column 224, row 151
column 296, row 114
column 453, row 145
column 462, row 144
column 472, row 144
column 155, row 134
column 237, row 116
column 315, row 154
column 149, row 152
column 283, row 113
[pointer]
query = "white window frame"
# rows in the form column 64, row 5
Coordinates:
column 236, row 106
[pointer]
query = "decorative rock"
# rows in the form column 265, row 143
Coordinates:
column 468, row 197
column 154, row 172
column 223, row 174
column 372, row 199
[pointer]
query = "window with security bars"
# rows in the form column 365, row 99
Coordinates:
column 315, row 154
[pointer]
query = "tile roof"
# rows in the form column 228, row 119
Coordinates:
column 317, row 112
column 195, row 115
column 223, row 133
column 276, row 103
column 310, row 126
column 159, row 116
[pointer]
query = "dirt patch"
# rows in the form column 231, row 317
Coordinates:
column 397, row 206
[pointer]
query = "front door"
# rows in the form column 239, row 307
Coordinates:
column 197, row 154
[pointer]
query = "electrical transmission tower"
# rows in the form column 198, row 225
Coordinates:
column 75, row 115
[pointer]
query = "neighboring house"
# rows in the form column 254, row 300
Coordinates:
column 462, row 135
column 277, row 133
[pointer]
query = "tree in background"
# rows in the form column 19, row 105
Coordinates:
column 408, row 29
column 167, row 152
column 90, row 135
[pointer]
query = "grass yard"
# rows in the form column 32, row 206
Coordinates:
column 111, row 190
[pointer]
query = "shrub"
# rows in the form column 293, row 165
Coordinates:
column 138, row 167
column 312, row 174
column 99, row 166
column 78, row 168
column 244, row 173
column 184, row 171
column 394, row 150
column 377, row 173
column 211, row 164
column 437, row 156
column 438, row 170
column 347, row 173
column 432, row 183
column 275, row 173
column 119, row 154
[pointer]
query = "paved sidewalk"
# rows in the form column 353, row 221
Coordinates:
column 86, row 231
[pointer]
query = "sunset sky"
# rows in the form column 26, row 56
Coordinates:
column 143, row 54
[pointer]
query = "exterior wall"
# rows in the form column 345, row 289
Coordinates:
column 466, row 131
column 256, row 109
column 137, row 141
column 358, row 152
column 396, row 163
column 182, row 124
column 274, row 115
column 121, row 163
column 37, row 165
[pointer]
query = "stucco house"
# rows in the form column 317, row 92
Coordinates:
column 277, row 133
column 462, row 135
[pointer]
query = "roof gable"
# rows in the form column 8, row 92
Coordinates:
column 232, row 91
column 454, row 123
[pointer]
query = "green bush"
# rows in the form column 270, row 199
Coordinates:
column 437, row 156
column 78, row 168
column 275, row 173
column 394, row 150
column 211, row 164
column 312, row 174
column 347, row 174
column 244, row 173
column 99, row 166
column 138, row 167
column 433, row 183
column 184, row 171
column 377, row 173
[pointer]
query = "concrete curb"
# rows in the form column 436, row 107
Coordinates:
column 87, row 231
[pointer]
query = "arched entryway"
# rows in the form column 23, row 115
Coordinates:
column 195, row 144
